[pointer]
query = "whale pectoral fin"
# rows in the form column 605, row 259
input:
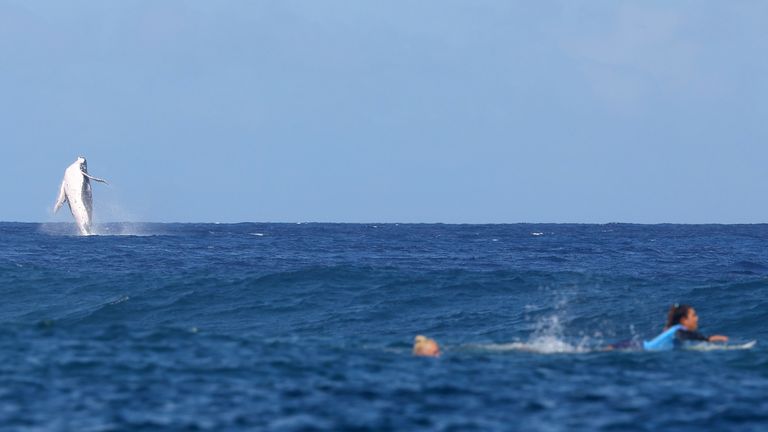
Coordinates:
column 61, row 199
column 94, row 178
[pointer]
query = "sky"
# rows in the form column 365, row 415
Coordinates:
column 473, row 111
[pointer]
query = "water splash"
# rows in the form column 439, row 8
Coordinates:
column 548, row 337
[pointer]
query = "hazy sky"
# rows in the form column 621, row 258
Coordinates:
column 388, row 111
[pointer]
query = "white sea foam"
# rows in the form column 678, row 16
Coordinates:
column 119, row 300
column 547, row 345
column 122, row 229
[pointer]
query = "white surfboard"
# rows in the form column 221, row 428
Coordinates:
column 721, row 347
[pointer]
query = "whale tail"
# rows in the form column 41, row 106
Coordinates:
column 61, row 199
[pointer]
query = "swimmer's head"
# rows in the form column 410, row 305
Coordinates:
column 683, row 314
column 425, row 347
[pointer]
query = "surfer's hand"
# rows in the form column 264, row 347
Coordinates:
column 718, row 338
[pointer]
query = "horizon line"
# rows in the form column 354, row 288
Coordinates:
column 386, row 223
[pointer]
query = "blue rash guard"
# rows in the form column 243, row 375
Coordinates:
column 663, row 342
column 671, row 338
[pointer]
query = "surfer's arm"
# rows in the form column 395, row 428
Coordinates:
column 688, row 335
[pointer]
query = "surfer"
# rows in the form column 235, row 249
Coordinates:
column 425, row 347
column 682, row 326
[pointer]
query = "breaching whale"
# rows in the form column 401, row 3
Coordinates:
column 76, row 191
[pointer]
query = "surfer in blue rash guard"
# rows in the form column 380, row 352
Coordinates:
column 682, row 326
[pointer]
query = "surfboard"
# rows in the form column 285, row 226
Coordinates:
column 721, row 347
column 560, row 347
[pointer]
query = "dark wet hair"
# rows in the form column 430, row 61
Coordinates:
column 676, row 313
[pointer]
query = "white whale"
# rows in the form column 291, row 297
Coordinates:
column 76, row 191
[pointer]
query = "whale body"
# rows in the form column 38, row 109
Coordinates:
column 76, row 191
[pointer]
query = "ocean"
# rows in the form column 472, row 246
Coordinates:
column 300, row 327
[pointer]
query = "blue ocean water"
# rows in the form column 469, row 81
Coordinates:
column 293, row 327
